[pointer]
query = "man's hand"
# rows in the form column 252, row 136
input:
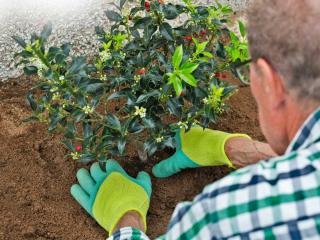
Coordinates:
column 108, row 196
column 197, row 148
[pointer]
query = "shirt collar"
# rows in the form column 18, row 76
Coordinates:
column 308, row 134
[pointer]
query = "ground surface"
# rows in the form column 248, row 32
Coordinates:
column 35, row 177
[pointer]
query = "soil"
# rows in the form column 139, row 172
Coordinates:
column 35, row 178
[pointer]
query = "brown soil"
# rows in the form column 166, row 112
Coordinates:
column 35, row 177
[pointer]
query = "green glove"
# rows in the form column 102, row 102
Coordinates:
column 196, row 148
column 108, row 196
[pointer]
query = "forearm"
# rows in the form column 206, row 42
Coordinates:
column 130, row 226
column 130, row 219
column 243, row 152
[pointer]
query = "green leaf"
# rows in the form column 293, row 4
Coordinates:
column 87, row 157
column 107, row 45
column 177, row 57
column 142, row 22
column 46, row 32
column 201, row 47
column 121, row 145
column 94, row 86
column 149, row 123
column 170, row 11
column 113, row 16
column 20, row 41
column 188, row 78
column 31, row 119
column 145, row 97
column 242, row 29
column 177, row 85
column 174, row 107
column 120, row 94
column 166, row 31
column 78, row 63
column 66, row 48
column 87, row 130
column 135, row 127
column 78, row 115
column 30, row 70
column 207, row 54
column 149, row 31
column 31, row 101
column 150, row 146
column 68, row 145
column 54, row 120
column 113, row 122
column 189, row 67
column 122, row 2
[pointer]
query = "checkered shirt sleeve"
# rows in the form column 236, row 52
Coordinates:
column 274, row 199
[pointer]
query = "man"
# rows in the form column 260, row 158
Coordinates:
column 276, row 198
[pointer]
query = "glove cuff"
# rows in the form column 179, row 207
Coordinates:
column 206, row 147
column 229, row 136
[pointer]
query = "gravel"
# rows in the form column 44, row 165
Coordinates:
column 73, row 21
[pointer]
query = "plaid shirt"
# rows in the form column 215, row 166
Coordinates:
column 274, row 199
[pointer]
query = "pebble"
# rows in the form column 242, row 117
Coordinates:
column 73, row 21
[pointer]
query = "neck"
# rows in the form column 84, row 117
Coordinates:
column 297, row 114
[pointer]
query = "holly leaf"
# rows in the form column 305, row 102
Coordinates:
column 170, row 11
column 46, row 32
column 166, row 31
column 121, row 145
column 177, row 57
column 20, row 41
column 113, row 16
column 189, row 67
column 122, row 2
column 68, row 144
column 242, row 29
column 188, row 78
column 30, row 70
column 86, row 158
column 31, row 101
column 176, row 82
column 113, row 122
column 145, row 97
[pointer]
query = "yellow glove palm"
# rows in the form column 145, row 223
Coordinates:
column 108, row 196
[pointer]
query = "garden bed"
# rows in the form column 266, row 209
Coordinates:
column 36, row 177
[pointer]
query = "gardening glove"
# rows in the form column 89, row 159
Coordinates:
column 196, row 148
column 108, row 196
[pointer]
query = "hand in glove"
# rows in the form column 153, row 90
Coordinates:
column 108, row 195
column 196, row 148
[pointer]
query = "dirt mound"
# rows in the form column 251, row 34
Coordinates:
column 35, row 177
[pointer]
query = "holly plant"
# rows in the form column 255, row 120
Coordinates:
column 148, row 80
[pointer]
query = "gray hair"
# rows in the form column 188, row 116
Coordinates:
column 287, row 34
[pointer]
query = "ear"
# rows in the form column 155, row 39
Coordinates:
column 272, row 82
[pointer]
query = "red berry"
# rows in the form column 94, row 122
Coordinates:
column 224, row 76
column 217, row 75
column 147, row 4
column 148, row 9
column 182, row 94
column 141, row 71
column 188, row 38
column 203, row 32
column 78, row 148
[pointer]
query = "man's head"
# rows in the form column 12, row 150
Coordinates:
column 284, row 41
